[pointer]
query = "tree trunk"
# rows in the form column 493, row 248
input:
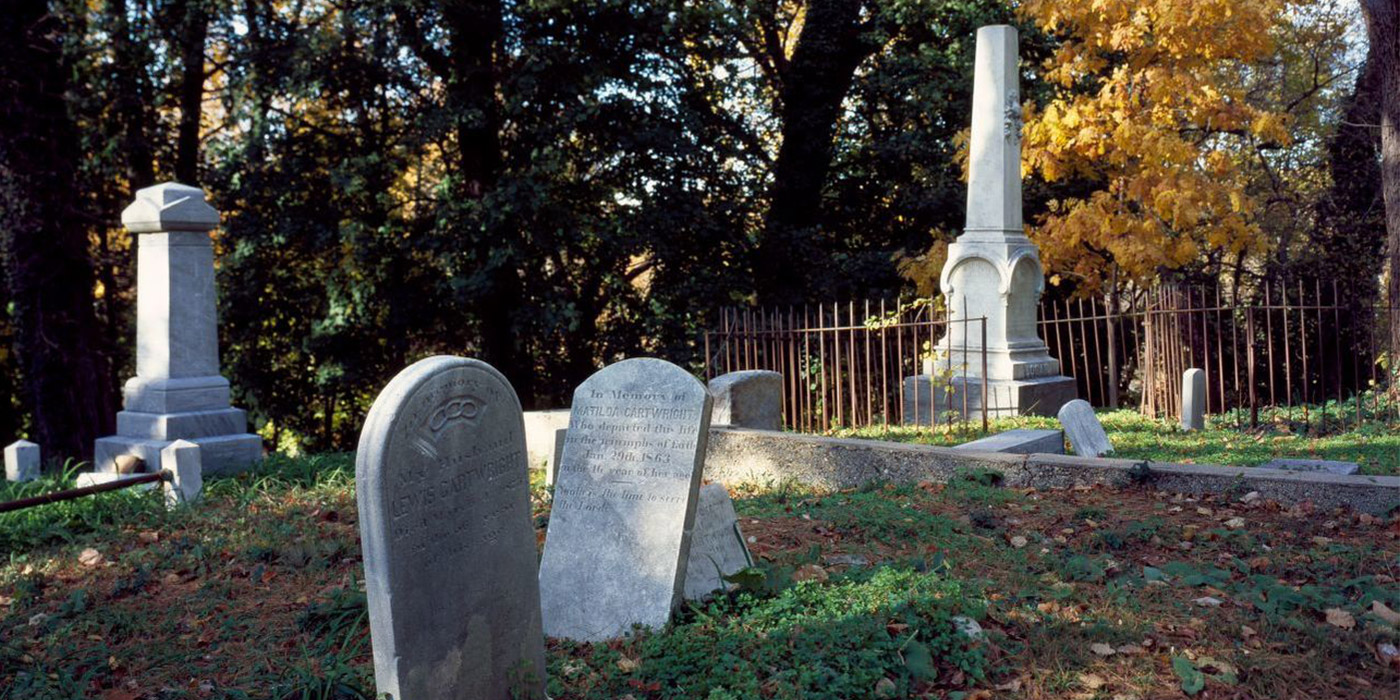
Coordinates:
column 468, row 67
column 194, row 31
column 813, row 85
column 475, row 30
column 50, row 275
column 1383, row 29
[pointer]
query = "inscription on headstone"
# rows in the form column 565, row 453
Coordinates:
column 624, row 501
column 449, row 546
column 717, row 548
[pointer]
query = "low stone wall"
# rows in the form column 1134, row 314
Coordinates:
column 761, row 456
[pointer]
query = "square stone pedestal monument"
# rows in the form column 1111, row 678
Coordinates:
column 177, row 393
column 993, row 270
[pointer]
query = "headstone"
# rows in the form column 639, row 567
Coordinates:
column 1314, row 465
column 177, row 393
column 1086, row 435
column 22, row 459
column 1193, row 399
column 717, row 548
column 748, row 399
column 448, row 539
column 557, row 456
column 1022, row 441
column 993, row 270
column 624, row 502
column 182, row 460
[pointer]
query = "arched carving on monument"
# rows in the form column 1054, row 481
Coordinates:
column 1025, row 257
column 945, row 281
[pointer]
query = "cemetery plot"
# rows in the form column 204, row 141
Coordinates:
column 260, row 595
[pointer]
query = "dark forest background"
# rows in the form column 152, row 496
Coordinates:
column 548, row 185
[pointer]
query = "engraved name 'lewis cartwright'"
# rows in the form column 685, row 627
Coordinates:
column 442, row 481
column 624, row 501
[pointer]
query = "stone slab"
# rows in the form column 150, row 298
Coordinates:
column 1021, row 441
column 1193, row 399
column 1082, row 427
column 22, row 461
column 94, row 478
column 928, row 402
column 717, row 549
column 443, row 489
column 186, row 425
column 219, row 454
column 620, row 529
column 748, row 399
column 1313, row 465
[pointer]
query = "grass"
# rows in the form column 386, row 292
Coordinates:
column 1374, row 446
column 856, row 594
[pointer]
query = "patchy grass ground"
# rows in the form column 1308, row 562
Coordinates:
column 1088, row 594
column 1375, row 446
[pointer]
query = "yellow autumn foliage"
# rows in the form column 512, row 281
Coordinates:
column 1147, row 109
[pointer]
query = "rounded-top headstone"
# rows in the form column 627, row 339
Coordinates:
column 1083, row 429
column 169, row 206
column 442, row 482
column 624, row 501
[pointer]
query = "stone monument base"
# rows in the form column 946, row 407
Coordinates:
column 218, row 454
column 928, row 402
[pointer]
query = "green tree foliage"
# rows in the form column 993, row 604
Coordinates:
column 547, row 184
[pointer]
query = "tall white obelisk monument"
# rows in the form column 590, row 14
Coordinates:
column 993, row 269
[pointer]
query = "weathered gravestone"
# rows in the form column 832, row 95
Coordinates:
column 752, row 398
column 449, row 546
column 717, row 549
column 22, row 459
column 1193, row 399
column 1082, row 428
column 624, row 501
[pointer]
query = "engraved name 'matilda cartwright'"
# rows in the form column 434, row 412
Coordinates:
column 627, row 440
column 426, row 495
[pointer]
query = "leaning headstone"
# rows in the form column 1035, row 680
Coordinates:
column 1314, row 465
column 181, row 459
column 717, row 549
column 1086, row 435
column 449, row 546
column 751, row 398
column 624, row 501
column 177, row 393
column 1193, row 399
column 22, row 460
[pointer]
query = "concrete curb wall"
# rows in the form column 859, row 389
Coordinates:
column 761, row 456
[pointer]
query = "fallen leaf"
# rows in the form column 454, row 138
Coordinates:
column 627, row 665
column 1235, row 523
column 1132, row 650
column 885, row 688
column 1384, row 612
column 1019, row 542
column 809, row 572
column 1102, row 649
column 1092, row 681
column 90, row 557
column 148, row 536
column 1338, row 617
column 1208, row 602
